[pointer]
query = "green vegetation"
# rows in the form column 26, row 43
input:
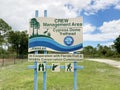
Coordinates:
column 101, row 52
column 4, row 29
column 95, row 76
column 12, row 42
column 19, row 42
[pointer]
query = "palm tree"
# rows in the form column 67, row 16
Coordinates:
column 32, row 24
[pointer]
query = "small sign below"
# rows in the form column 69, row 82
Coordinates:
column 41, row 67
column 55, row 67
column 69, row 67
column 55, row 57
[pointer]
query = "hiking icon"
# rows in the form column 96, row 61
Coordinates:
column 69, row 67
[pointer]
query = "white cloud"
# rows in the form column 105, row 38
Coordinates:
column 93, row 6
column 99, row 5
column 88, row 28
column 109, row 31
column 117, row 6
column 98, row 37
column 112, row 28
column 17, row 13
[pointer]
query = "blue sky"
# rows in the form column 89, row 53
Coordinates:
column 101, row 17
column 98, row 19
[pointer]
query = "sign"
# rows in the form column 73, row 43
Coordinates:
column 55, row 67
column 41, row 67
column 69, row 67
column 55, row 57
column 63, row 35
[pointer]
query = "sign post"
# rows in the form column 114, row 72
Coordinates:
column 45, row 73
column 35, row 64
column 35, row 76
column 44, row 79
column 75, row 76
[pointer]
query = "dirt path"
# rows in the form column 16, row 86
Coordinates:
column 108, row 61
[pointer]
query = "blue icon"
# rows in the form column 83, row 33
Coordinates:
column 68, row 40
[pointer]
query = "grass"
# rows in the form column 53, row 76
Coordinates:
column 95, row 76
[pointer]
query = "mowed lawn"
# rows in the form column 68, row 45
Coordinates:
column 95, row 76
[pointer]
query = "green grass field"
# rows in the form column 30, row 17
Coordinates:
column 95, row 76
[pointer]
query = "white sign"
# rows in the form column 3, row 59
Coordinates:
column 55, row 57
column 41, row 67
column 55, row 67
column 64, row 35
column 69, row 67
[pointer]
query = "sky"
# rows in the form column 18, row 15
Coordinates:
column 101, row 18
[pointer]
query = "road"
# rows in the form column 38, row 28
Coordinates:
column 108, row 61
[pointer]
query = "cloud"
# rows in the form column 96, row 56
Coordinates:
column 117, row 6
column 111, row 28
column 17, row 14
column 99, row 5
column 109, row 32
column 88, row 28
column 93, row 6
column 97, row 37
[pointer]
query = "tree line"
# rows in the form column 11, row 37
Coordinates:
column 16, row 42
column 100, row 51
column 12, row 42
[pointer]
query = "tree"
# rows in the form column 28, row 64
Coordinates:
column 14, row 40
column 23, row 43
column 19, row 42
column 117, row 44
column 89, row 51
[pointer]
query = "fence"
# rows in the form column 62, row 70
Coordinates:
column 11, row 59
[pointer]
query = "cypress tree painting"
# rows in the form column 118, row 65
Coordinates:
column 34, row 25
